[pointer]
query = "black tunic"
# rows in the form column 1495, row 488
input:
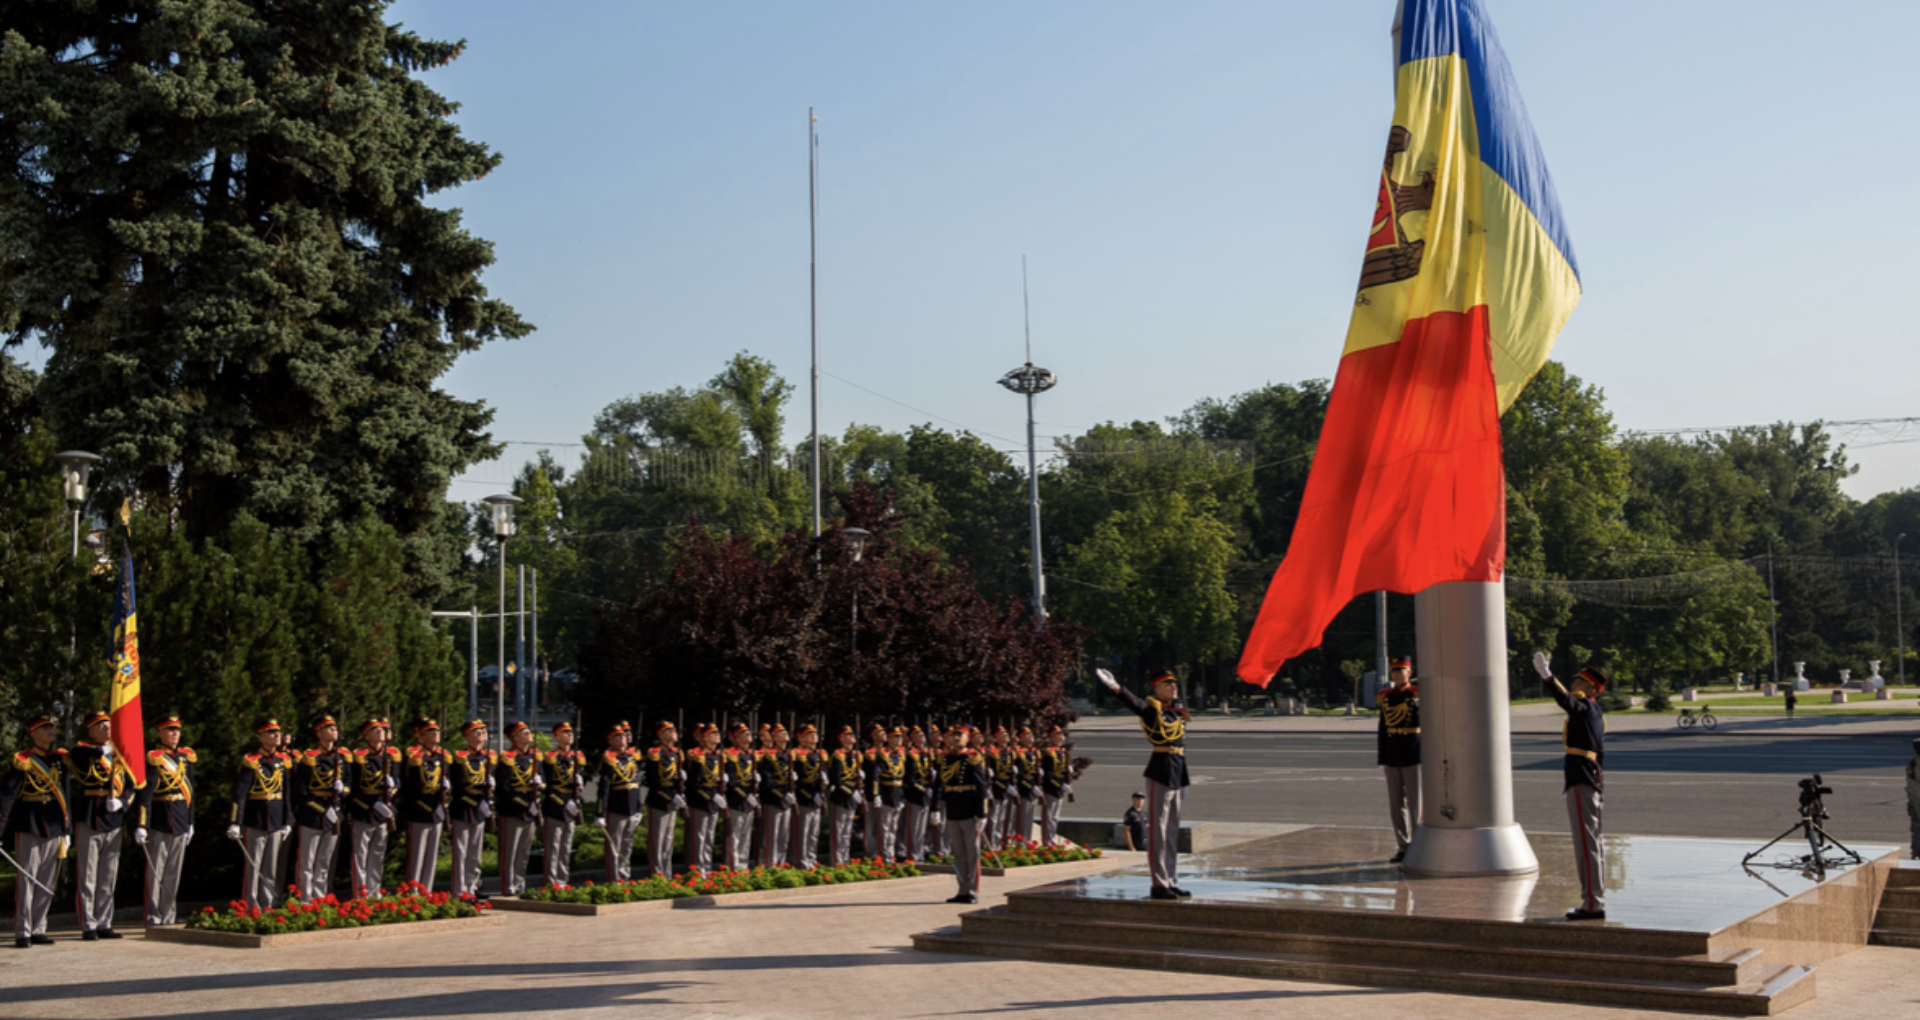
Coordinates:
column 166, row 802
column 1165, row 727
column 1584, row 738
column 963, row 785
column 1399, row 737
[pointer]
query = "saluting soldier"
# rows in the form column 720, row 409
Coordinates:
column 1399, row 751
column 563, row 772
column 740, row 786
column 259, row 818
column 921, row 768
column 810, row 782
column 163, row 819
column 775, row 765
column 1164, row 723
column 963, row 787
column 99, row 817
column 1056, row 783
column 666, row 796
column 319, row 785
column 890, row 794
column 424, row 786
column 846, row 775
column 1584, row 739
column 936, row 827
column 706, row 796
column 33, row 806
column 372, row 780
column 516, row 783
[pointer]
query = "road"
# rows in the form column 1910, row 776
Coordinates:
column 1658, row 782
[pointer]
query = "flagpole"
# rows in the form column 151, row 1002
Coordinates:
column 813, row 300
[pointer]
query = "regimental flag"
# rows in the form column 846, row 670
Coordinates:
column 129, row 731
column 1467, row 278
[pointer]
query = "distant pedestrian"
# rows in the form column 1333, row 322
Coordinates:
column 1791, row 701
column 1913, row 799
column 1135, row 823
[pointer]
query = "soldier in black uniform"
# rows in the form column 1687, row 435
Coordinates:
column 775, row 766
column 809, row 797
column 163, row 819
column 740, row 770
column 963, row 787
column 846, row 775
column 870, row 844
column 424, row 786
column 922, row 766
column 563, row 774
column 1398, row 751
column 1164, row 723
column 1583, row 738
column 1056, row 783
column 889, row 798
column 936, row 827
column 516, row 807
column 372, row 779
column 33, row 807
column 319, row 788
column 1026, row 806
column 1000, row 780
column 99, row 818
column 259, row 818
column 666, row 785
column 706, row 796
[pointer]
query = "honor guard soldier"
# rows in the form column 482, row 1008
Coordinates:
column 706, row 796
column 775, row 766
column 921, row 767
column 741, row 778
column 1399, row 751
column 1056, row 783
column 99, row 817
column 33, row 806
column 1027, row 785
column 1164, row 723
column 563, row 774
column 259, row 819
column 890, row 795
column 470, row 806
column 870, row 845
column 516, row 784
column 810, row 783
column 319, row 788
column 373, row 779
column 936, row 829
column 163, row 819
column 1584, row 739
column 665, row 782
column 963, row 786
column 424, row 786
column 1002, row 775
column 846, row 775
column 284, row 877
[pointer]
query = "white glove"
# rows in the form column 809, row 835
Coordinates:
column 1107, row 679
column 489, row 784
column 114, row 804
column 140, row 836
column 679, row 803
column 753, row 803
column 446, row 786
column 339, row 788
column 392, row 783
column 233, row 833
column 189, row 833
column 284, row 829
column 599, row 823
column 789, row 800
column 1541, row 667
column 106, row 752
column 539, row 781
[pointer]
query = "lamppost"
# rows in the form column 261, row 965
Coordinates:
column 502, row 505
column 1030, row 382
column 1773, row 612
column 1898, row 627
column 74, row 465
column 856, row 539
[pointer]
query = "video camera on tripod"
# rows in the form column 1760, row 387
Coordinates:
column 1813, row 811
column 1811, row 792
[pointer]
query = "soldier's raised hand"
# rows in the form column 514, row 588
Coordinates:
column 1107, row 679
column 1541, row 666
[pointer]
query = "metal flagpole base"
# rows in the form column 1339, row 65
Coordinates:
column 1466, row 757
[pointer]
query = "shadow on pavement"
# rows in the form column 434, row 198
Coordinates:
column 1709, row 753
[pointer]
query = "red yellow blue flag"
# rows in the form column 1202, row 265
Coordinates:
column 1467, row 277
column 129, row 731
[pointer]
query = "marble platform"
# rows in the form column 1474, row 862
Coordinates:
column 1688, row 927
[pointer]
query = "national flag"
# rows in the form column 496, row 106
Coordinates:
column 1467, row 277
column 129, row 731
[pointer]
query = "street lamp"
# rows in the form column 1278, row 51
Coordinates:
column 1029, row 382
column 1773, row 611
column 1898, row 627
column 856, row 539
column 502, row 505
column 74, row 465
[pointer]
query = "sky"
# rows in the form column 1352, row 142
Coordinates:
column 1190, row 185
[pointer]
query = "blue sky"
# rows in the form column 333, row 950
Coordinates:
column 1190, row 184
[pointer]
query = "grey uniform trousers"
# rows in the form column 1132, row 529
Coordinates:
column 806, row 837
column 516, row 845
column 1050, row 817
column 965, row 837
column 96, row 870
column 284, row 874
column 556, row 841
column 912, row 841
column 469, row 838
column 314, row 860
column 937, row 842
column 1589, row 855
column 423, row 851
column 1163, row 834
column 166, row 851
column 840, row 840
column 39, row 856
column 1403, row 802
column 886, row 825
column 257, row 887
column 621, row 830
column 740, row 838
column 776, row 834
column 702, row 826
column 1025, row 809
column 367, row 853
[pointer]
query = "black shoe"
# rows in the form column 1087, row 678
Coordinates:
column 109, row 933
column 1397, row 858
column 964, row 899
column 22, row 943
column 87, row 936
column 1160, row 893
column 42, row 940
column 1182, row 893
column 1583, row 914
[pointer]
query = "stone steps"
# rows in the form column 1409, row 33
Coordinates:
column 1897, row 922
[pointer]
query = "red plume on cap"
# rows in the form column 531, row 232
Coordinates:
column 97, row 717
column 1402, row 662
column 1164, row 676
column 38, row 721
column 660, row 727
column 563, row 726
column 515, row 727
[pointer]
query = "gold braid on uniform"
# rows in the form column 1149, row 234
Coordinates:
column 1162, row 732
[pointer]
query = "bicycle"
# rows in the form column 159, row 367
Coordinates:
column 1704, row 718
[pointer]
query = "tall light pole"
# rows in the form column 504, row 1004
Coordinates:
column 813, row 297
column 74, row 465
column 502, row 505
column 1899, row 627
column 1773, row 612
column 1030, row 381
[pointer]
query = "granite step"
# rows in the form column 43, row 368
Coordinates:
column 1721, row 967
column 1901, row 899
column 1904, row 875
column 1908, row 938
column 1771, row 991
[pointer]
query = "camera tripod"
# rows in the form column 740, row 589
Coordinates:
column 1817, row 840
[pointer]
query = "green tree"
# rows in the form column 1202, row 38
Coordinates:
column 216, row 214
column 1150, row 582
